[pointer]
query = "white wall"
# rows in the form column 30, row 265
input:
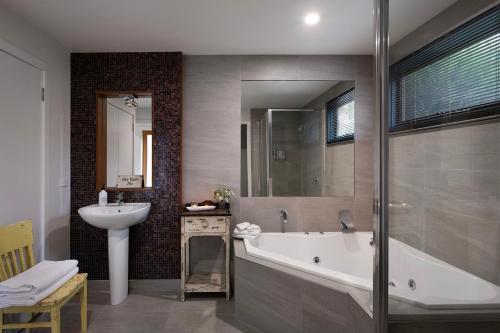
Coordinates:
column 19, row 33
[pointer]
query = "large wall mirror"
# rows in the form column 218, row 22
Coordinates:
column 297, row 138
column 124, row 140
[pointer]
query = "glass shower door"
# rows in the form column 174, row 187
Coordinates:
column 295, row 152
column 443, row 172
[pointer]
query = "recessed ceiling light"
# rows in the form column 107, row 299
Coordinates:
column 311, row 19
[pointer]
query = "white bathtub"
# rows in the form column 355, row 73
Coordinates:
column 348, row 259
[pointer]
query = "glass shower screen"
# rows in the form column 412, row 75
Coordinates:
column 294, row 152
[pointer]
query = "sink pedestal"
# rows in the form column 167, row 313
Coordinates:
column 117, row 219
column 118, row 264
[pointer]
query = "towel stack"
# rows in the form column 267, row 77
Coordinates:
column 246, row 230
column 36, row 283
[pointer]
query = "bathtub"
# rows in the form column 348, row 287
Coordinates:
column 415, row 277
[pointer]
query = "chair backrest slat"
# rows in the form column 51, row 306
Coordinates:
column 30, row 256
column 16, row 249
column 3, row 272
column 22, row 261
column 13, row 261
column 6, row 264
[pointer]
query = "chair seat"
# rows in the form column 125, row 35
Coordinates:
column 66, row 291
column 58, row 297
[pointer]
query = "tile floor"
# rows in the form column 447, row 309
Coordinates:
column 152, row 308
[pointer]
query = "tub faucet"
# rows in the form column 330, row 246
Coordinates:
column 345, row 220
column 284, row 216
column 119, row 199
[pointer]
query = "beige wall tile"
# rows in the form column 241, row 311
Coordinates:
column 211, row 129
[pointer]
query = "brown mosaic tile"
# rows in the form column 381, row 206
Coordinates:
column 154, row 244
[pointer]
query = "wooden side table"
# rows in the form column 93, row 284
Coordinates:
column 204, row 224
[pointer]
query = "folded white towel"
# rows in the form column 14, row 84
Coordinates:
column 246, row 233
column 253, row 228
column 38, row 278
column 247, row 236
column 7, row 300
column 242, row 226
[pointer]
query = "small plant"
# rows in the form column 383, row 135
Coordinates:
column 223, row 194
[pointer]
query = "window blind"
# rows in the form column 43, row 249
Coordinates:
column 340, row 118
column 455, row 78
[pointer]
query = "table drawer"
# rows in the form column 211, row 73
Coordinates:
column 205, row 224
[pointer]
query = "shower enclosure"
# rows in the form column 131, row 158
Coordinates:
column 288, row 149
column 437, row 165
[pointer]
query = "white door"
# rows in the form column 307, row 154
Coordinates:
column 21, row 145
column 126, row 146
column 120, row 142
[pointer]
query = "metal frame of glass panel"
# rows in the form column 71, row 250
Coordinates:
column 381, row 209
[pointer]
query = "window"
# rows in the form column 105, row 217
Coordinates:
column 340, row 118
column 455, row 78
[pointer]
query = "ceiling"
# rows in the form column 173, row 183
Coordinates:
column 220, row 26
column 281, row 94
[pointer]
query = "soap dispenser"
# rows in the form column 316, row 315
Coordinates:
column 103, row 198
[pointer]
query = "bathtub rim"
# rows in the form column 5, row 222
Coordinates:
column 340, row 277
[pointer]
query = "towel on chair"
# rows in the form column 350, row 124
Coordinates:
column 38, row 278
column 29, row 299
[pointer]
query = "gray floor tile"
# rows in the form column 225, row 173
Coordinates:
column 151, row 310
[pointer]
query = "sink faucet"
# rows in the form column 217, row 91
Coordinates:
column 345, row 220
column 119, row 199
column 284, row 216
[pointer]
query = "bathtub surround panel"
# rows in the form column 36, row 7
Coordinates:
column 480, row 326
column 211, row 132
column 274, row 301
column 154, row 244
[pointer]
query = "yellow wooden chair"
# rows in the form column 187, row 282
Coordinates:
column 16, row 256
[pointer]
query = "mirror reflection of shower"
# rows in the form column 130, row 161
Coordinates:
column 288, row 151
column 286, row 146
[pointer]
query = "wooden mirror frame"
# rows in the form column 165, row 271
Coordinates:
column 101, row 135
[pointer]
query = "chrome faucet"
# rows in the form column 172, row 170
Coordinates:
column 284, row 216
column 345, row 220
column 119, row 199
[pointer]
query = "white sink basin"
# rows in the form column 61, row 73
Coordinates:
column 115, row 217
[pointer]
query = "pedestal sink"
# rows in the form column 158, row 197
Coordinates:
column 117, row 219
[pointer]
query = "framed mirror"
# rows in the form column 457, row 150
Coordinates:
column 297, row 138
column 124, row 140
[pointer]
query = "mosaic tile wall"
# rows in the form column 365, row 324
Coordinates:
column 154, row 244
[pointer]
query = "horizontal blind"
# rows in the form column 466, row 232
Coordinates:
column 340, row 118
column 454, row 78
